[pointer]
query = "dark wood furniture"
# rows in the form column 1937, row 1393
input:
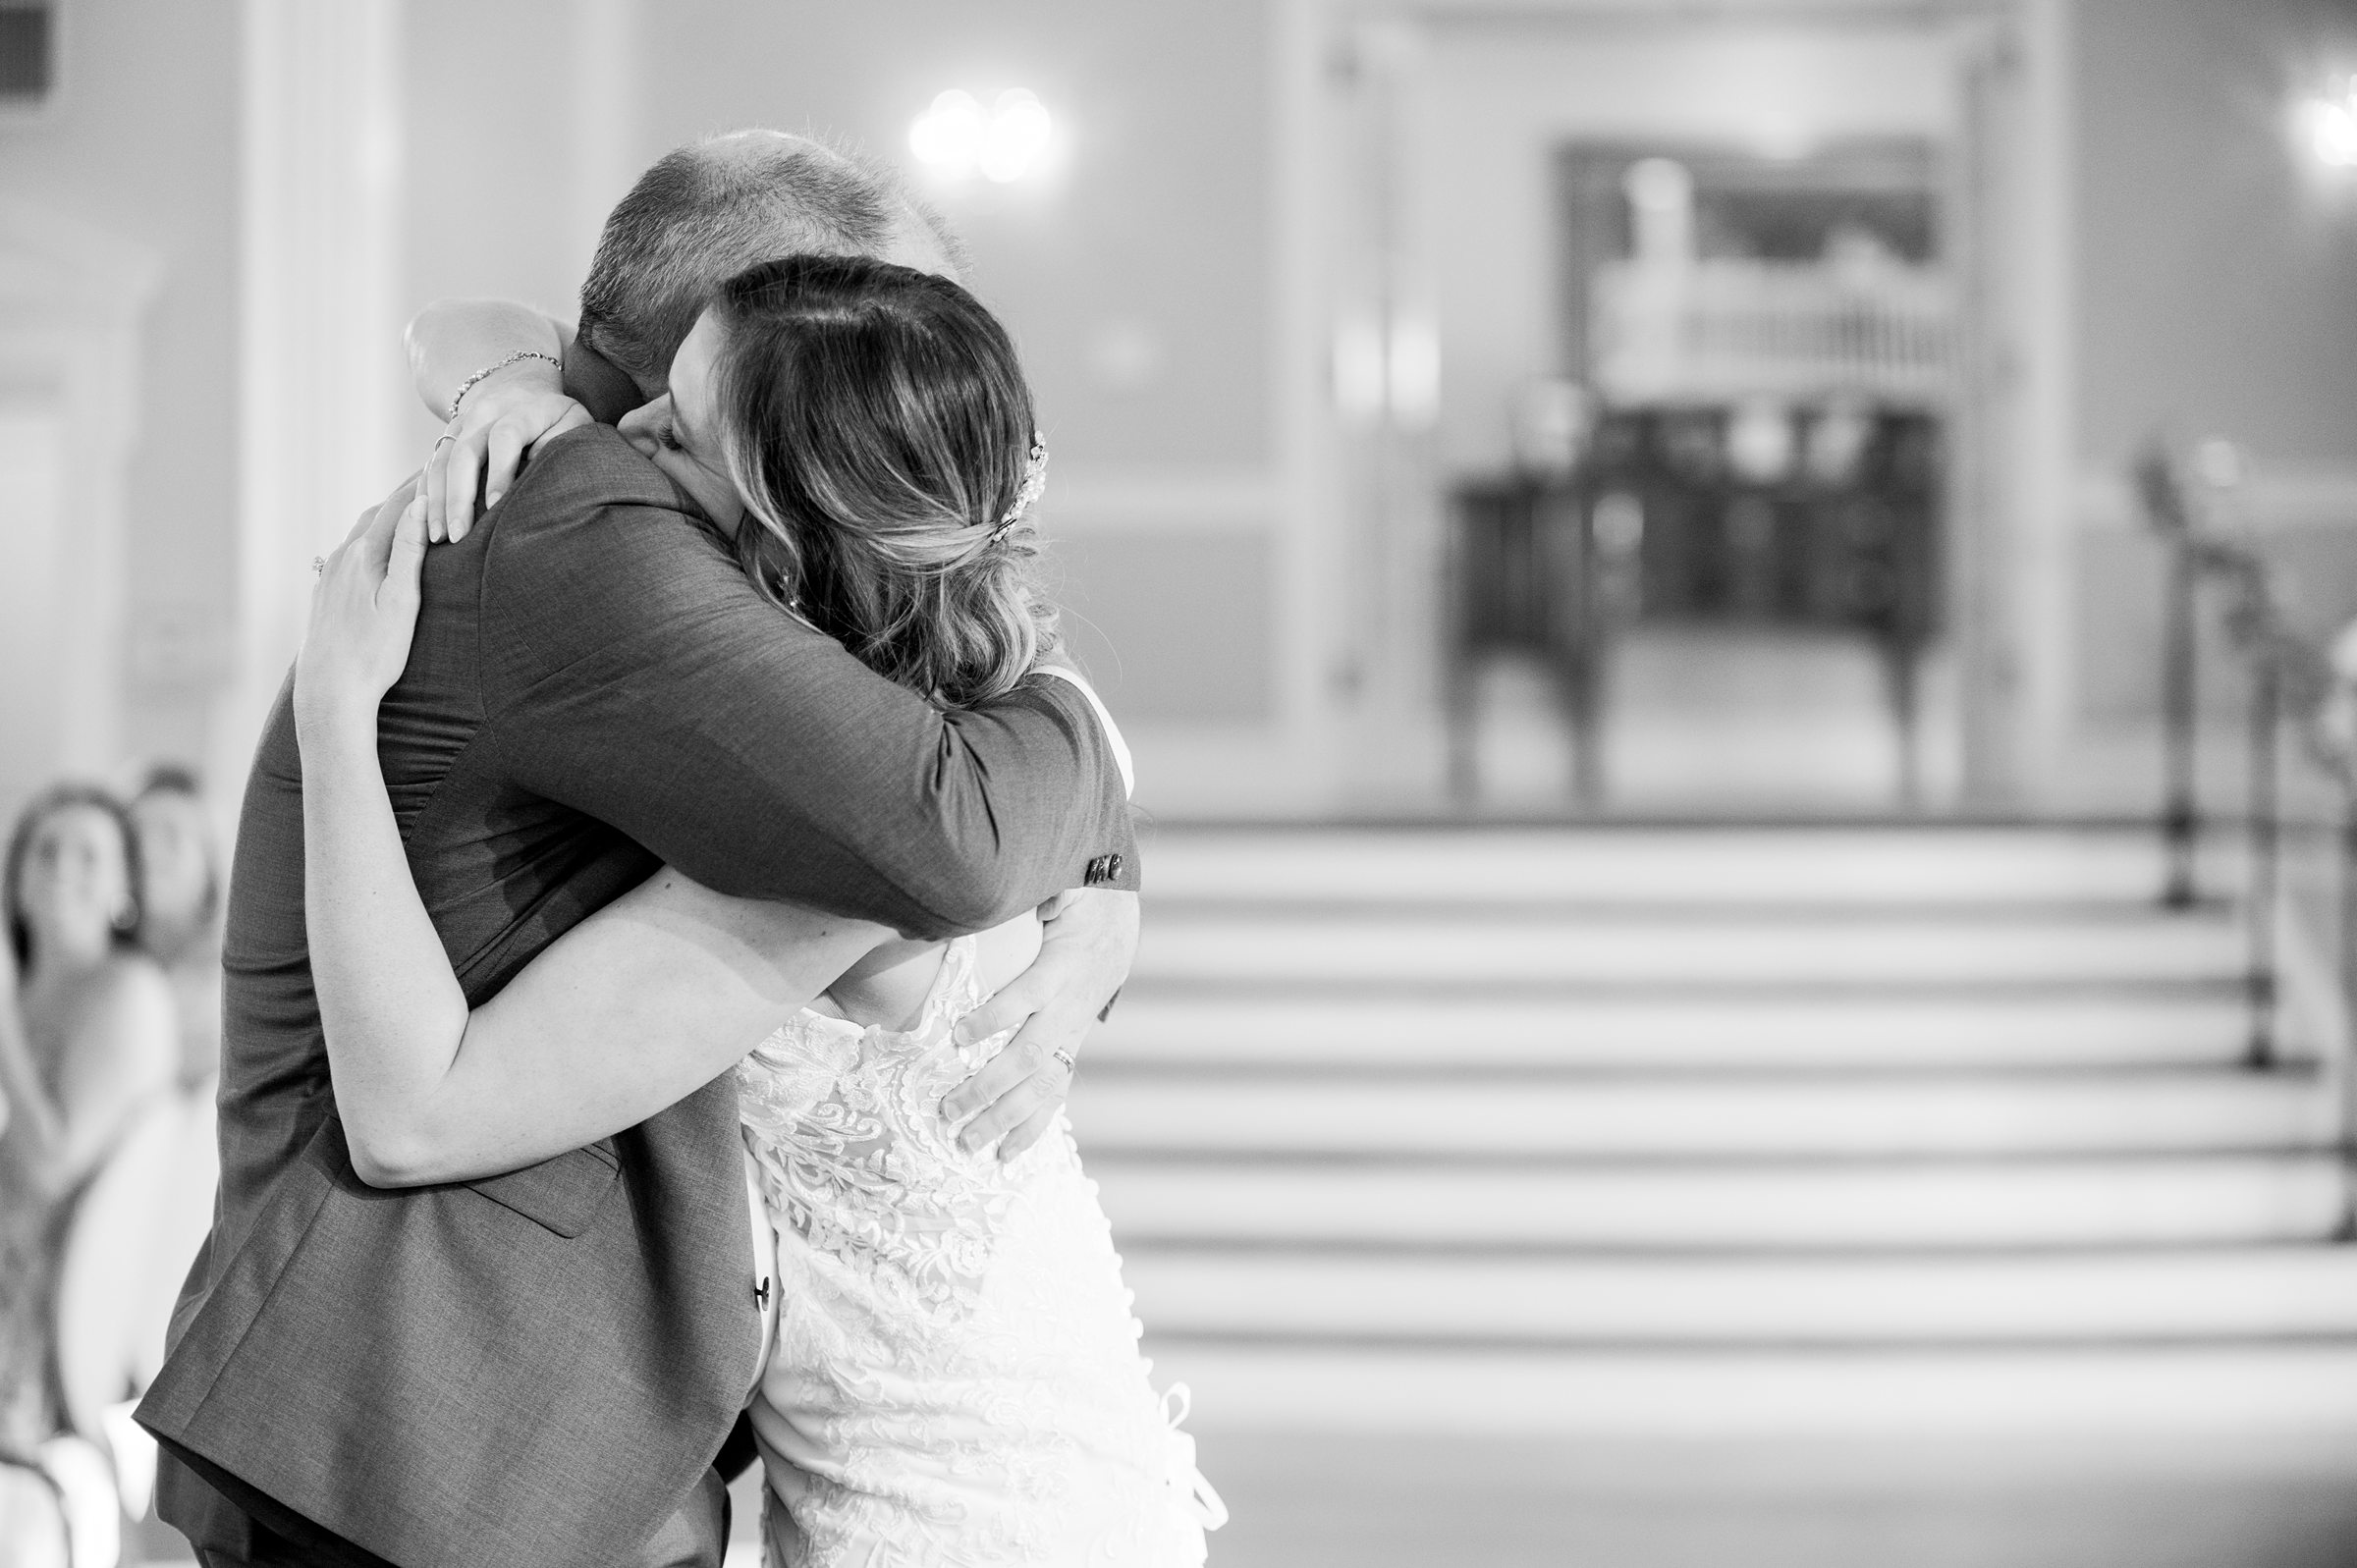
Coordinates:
column 1655, row 524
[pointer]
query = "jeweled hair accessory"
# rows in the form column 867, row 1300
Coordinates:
column 1035, row 481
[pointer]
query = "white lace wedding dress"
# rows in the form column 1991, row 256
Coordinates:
column 955, row 1375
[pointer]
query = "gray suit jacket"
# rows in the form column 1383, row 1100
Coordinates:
column 535, row 1368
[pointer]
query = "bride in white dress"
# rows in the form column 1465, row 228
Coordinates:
column 953, row 1375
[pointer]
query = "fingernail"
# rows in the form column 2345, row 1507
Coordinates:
column 491, row 499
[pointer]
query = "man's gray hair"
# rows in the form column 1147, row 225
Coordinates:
column 707, row 211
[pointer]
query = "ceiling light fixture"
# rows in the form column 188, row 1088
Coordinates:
column 958, row 137
column 2332, row 127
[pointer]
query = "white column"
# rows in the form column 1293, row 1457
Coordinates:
column 321, row 367
column 2049, row 393
column 73, row 300
column 2013, row 558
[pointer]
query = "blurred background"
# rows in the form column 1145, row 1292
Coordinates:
column 1731, row 616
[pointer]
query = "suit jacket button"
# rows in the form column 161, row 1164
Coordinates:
column 1104, row 869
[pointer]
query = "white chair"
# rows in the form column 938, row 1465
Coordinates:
column 85, row 1488
column 32, row 1519
column 132, row 1233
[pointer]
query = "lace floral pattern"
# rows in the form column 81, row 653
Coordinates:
column 955, row 1378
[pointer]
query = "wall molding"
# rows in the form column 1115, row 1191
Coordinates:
column 1211, row 772
column 1689, row 13
column 1106, row 499
column 2290, row 496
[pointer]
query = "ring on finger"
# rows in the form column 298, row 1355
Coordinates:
column 447, row 435
column 1065, row 1056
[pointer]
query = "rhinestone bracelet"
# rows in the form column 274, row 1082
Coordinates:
column 469, row 384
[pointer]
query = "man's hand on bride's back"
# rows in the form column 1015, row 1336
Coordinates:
column 1086, row 944
column 497, row 423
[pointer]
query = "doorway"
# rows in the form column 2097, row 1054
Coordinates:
column 1471, row 174
column 1762, row 353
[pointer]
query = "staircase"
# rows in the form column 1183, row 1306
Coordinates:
column 1629, row 1131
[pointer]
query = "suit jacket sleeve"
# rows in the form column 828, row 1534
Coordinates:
column 634, row 675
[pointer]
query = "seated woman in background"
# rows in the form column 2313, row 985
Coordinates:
column 179, row 911
column 87, row 1038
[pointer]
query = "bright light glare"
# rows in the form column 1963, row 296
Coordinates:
column 948, row 134
column 1017, row 136
column 958, row 137
column 2334, row 126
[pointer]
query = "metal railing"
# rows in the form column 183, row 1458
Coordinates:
column 2294, row 684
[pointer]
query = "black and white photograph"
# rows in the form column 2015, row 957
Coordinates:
column 1089, row 784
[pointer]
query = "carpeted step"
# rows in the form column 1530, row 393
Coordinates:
column 1625, row 865
column 1466, row 953
column 1762, row 1300
column 1705, row 1115
column 2093, row 1391
column 1747, row 1204
column 1197, row 1028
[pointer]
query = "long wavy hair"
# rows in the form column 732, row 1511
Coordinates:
column 65, row 797
column 876, row 421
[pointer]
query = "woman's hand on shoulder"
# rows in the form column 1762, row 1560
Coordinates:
column 499, row 421
column 363, row 614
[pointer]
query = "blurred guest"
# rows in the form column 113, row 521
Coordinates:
column 86, row 1039
column 180, row 909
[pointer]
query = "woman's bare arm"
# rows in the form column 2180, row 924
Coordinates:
column 24, row 1103
column 499, row 416
column 451, row 339
column 126, row 1053
column 124, row 1050
column 641, row 1005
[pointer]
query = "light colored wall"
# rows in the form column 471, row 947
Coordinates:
column 1134, row 278
column 2217, row 295
column 1133, row 600
column 1157, row 221
column 2217, row 274
column 1150, row 241
column 141, row 145
column 492, row 194
column 2214, row 275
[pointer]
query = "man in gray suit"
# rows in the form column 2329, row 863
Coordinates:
column 542, row 1369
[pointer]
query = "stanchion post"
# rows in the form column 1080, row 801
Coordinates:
column 2180, row 825
column 2265, row 831
column 2347, row 936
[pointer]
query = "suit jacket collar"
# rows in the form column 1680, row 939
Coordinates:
column 599, row 385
